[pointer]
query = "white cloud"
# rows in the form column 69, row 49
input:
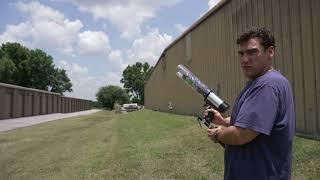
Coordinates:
column 48, row 29
column 84, row 85
column 116, row 62
column 149, row 47
column 16, row 33
column 127, row 15
column 115, row 55
column 44, row 28
column 93, row 42
column 212, row 3
column 75, row 72
column 180, row 28
column 40, row 12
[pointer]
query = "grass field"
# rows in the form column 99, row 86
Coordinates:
column 138, row 145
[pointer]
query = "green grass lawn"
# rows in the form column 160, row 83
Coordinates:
column 137, row 145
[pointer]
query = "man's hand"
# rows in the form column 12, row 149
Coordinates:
column 217, row 117
column 213, row 134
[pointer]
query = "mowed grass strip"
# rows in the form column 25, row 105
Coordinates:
column 138, row 145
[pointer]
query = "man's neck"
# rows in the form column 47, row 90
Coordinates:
column 268, row 69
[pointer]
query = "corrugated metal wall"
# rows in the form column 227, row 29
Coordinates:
column 16, row 101
column 296, row 26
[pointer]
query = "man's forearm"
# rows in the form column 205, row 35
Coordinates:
column 226, row 122
column 233, row 135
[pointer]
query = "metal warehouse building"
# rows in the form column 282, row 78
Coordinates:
column 209, row 50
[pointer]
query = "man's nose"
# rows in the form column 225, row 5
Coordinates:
column 245, row 58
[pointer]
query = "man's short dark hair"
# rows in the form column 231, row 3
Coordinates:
column 265, row 36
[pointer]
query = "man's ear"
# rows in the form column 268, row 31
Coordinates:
column 270, row 50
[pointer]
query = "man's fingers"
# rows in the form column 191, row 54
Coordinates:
column 210, row 132
column 211, row 110
column 207, row 111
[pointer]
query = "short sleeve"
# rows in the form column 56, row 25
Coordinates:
column 259, row 110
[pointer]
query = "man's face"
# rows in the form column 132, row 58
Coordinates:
column 254, row 59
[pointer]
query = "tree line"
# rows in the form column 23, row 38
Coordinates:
column 31, row 68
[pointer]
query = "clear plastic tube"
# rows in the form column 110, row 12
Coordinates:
column 210, row 97
column 192, row 80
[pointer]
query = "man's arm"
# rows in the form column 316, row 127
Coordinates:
column 226, row 122
column 232, row 135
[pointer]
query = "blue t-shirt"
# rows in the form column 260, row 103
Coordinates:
column 265, row 106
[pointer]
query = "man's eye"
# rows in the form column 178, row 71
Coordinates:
column 251, row 51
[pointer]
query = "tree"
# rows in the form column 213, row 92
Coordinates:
column 15, row 51
column 1, row 53
column 134, row 77
column 17, row 54
column 95, row 104
column 108, row 95
column 60, row 82
column 31, row 68
column 7, row 70
column 38, row 70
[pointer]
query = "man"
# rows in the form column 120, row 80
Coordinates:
column 259, row 134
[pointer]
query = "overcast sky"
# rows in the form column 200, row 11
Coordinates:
column 94, row 40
